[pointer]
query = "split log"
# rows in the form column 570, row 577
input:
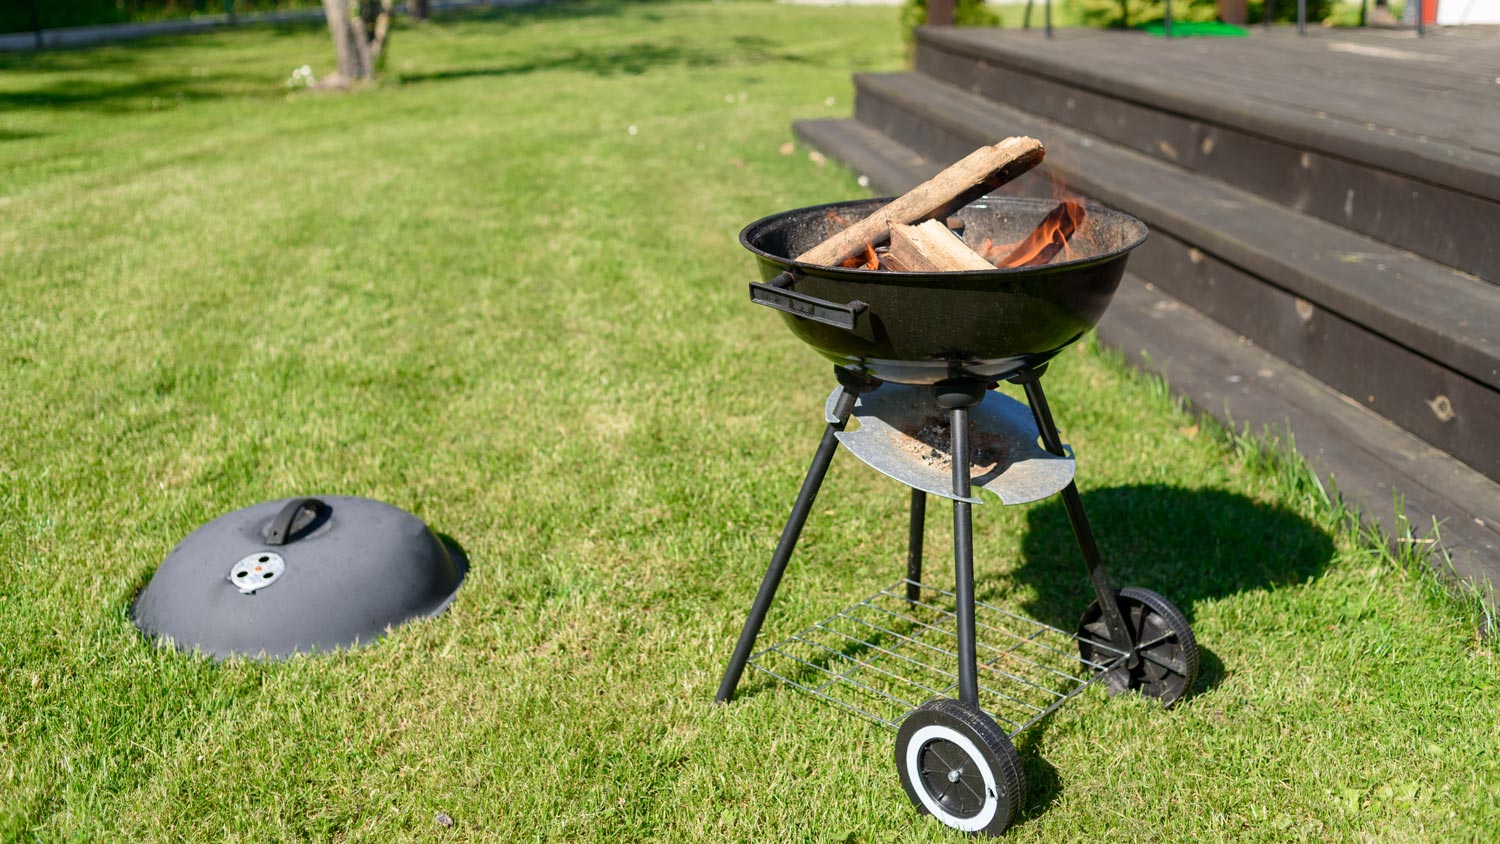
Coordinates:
column 931, row 247
column 978, row 173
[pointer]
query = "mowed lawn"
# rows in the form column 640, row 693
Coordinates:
column 502, row 290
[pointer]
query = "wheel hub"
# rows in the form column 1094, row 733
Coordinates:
column 949, row 780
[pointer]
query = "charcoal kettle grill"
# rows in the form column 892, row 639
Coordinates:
column 918, row 358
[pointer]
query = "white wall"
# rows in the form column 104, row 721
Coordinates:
column 1468, row 11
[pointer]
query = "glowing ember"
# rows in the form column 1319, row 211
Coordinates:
column 868, row 261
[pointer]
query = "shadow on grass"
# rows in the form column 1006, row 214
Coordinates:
column 136, row 76
column 1043, row 783
column 625, row 60
column 544, row 10
column 1190, row 545
column 127, row 77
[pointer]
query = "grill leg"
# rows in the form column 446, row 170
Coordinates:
column 914, row 545
column 958, row 399
column 1119, row 635
column 790, row 534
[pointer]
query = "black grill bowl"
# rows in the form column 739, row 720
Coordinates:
column 927, row 328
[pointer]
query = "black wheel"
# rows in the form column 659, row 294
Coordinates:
column 959, row 766
column 1163, row 662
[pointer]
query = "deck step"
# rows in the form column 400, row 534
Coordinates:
column 1336, row 304
column 1400, row 142
column 892, row 167
column 1369, row 459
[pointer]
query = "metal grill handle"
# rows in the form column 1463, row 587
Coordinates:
column 777, row 293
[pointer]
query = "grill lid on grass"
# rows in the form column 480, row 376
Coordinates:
column 298, row 575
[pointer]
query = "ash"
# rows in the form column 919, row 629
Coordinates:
column 931, row 442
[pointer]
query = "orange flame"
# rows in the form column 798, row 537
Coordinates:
column 867, row 261
column 1049, row 237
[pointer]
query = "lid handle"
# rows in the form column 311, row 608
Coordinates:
column 281, row 526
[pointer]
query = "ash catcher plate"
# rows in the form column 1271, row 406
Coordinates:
column 903, row 433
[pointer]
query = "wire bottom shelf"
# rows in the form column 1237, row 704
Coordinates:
column 884, row 656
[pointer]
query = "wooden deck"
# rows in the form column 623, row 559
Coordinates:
column 1433, row 101
column 1444, row 88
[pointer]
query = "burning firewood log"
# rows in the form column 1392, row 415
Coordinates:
column 976, row 174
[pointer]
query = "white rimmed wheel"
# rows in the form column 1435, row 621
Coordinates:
column 959, row 766
column 1163, row 662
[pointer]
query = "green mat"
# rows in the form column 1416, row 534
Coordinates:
column 1195, row 29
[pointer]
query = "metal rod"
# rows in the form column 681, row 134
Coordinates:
column 1119, row 635
column 851, row 682
column 848, row 676
column 1166, row 19
column 1420, row 25
column 914, row 545
column 1057, row 704
column 788, row 543
column 1047, row 15
column 1008, row 614
column 934, row 628
column 1302, row 17
column 948, row 674
column 963, row 560
column 1020, row 640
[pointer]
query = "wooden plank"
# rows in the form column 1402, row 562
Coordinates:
column 1454, row 413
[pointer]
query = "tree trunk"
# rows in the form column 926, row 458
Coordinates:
column 349, row 43
column 376, row 15
column 418, row 9
column 358, row 43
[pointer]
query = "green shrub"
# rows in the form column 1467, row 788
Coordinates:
column 965, row 13
column 1286, row 10
column 1107, row 12
column 16, row 16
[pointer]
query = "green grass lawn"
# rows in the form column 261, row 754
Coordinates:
column 502, row 290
